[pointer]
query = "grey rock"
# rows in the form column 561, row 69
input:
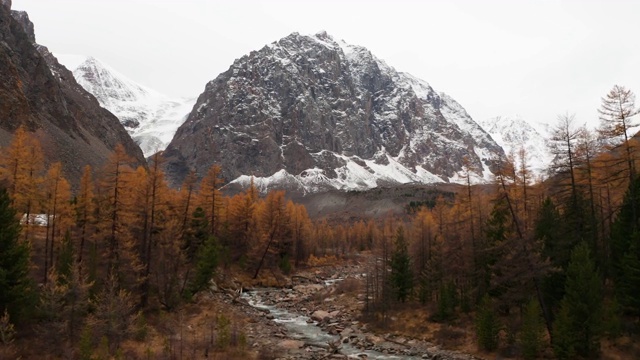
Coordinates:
column 320, row 315
column 310, row 104
column 27, row 26
column 41, row 95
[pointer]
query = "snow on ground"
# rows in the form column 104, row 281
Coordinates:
column 35, row 219
column 351, row 176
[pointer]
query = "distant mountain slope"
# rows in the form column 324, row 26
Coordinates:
column 40, row 94
column 312, row 113
column 150, row 118
column 514, row 133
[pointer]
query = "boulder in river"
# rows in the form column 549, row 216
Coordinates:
column 320, row 315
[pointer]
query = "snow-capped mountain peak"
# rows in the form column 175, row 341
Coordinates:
column 314, row 113
column 151, row 118
column 514, row 133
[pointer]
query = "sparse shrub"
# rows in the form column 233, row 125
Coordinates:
column 612, row 319
column 103, row 349
column 322, row 260
column 85, row 346
column 449, row 336
column 266, row 353
column 238, row 338
column 285, row 264
column 347, row 286
column 563, row 337
column 531, row 336
column 141, row 328
column 223, row 339
column 7, row 330
column 487, row 326
column 447, row 303
column 113, row 316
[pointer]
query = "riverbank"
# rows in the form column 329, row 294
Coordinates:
column 318, row 315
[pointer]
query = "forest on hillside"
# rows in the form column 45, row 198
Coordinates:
column 547, row 268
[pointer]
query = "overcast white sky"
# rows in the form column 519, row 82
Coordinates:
column 537, row 58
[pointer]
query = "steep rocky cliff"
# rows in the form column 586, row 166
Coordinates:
column 39, row 93
column 313, row 113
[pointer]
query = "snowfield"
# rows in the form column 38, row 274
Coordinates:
column 151, row 118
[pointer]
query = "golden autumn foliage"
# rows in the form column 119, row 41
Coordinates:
column 139, row 243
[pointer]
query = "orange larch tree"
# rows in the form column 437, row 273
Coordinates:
column 210, row 198
column 57, row 206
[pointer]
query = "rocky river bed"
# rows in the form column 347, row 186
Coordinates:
column 314, row 317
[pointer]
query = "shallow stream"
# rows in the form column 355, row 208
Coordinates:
column 300, row 327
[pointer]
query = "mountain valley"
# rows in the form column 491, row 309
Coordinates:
column 313, row 202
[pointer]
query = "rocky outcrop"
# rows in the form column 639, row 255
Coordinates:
column 27, row 26
column 328, row 114
column 40, row 94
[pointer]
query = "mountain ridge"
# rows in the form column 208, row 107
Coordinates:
column 514, row 133
column 41, row 95
column 331, row 115
column 151, row 118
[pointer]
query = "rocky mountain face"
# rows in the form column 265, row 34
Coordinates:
column 150, row 118
column 313, row 113
column 514, row 133
column 39, row 93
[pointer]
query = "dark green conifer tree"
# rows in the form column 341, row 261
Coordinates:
column 205, row 266
column 447, row 302
column 401, row 274
column 532, row 333
column 487, row 325
column 547, row 230
column 580, row 322
column 202, row 250
column 498, row 231
column 197, row 233
column 625, row 251
column 564, row 340
column 16, row 288
column 628, row 284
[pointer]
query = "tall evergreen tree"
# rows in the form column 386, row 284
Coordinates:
column 16, row 288
column 548, row 229
column 580, row 323
column 625, row 250
column 628, row 284
column 401, row 274
column 625, row 230
column 498, row 232
column 205, row 266
column 532, row 334
column 197, row 234
column 487, row 325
